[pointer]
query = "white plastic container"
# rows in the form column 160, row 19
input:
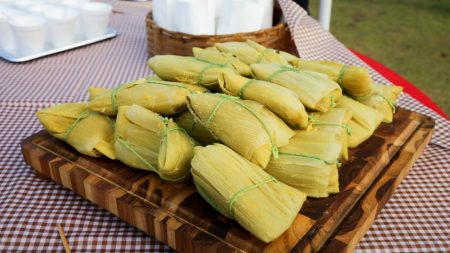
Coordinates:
column 62, row 25
column 29, row 31
column 95, row 19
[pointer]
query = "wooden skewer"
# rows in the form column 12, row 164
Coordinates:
column 63, row 239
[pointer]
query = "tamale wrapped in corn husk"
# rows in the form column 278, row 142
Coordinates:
column 309, row 163
column 187, row 69
column 364, row 120
column 383, row 99
column 251, row 52
column 96, row 91
column 165, row 98
column 290, row 58
column 245, row 126
column 335, row 122
column 212, row 54
column 195, row 129
column 90, row 133
column 315, row 90
column 244, row 192
column 145, row 140
column 354, row 80
column 281, row 101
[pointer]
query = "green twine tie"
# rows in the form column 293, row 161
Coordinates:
column 262, row 55
column 206, row 68
column 81, row 116
column 311, row 157
column 319, row 123
column 241, row 192
column 390, row 102
column 150, row 81
column 111, row 124
column 332, row 103
column 236, row 101
column 282, row 69
column 242, row 89
column 114, row 95
column 341, row 74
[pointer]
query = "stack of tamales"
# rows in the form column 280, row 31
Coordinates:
column 275, row 127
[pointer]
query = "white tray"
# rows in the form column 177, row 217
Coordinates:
column 111, row 33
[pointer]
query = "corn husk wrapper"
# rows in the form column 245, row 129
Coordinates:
column 212, row 54
column 309, row 163
column 290, row 58
column 187, row 69
column 354, row 80
column 145, row 140
column 281, row 101
column 364, row 120
column 243, row 191
column 383, row 99
column 165, row 98
column 334, row 122
column 245, row 126
column 96, row 91
column 195, row 129
column 315, row 90
column 90, row 133
column 251, row 52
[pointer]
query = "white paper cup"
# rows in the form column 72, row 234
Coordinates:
column 22, row 4
column 29, row 31
column 62, row 25
column 95, row 18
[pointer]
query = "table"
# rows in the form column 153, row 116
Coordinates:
column 416, row 219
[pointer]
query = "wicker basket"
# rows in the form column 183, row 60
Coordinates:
column 162, row 41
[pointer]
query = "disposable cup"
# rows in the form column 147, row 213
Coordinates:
column 95, row 19
column 29, row 31
column 62, row 25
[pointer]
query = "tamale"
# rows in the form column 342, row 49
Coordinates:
column 383, row 99
column 165, row 98
column 364, row 120
column 315, row 90
column 335, row 122
column 145, row 140
column 281, row 101
column 290, row 58
column 251, row 52
column 354, row 80
column 309, row 163
column 96, row 91
column 90, row 133
column 212, row 54
column 186, row 69
column 195, row 129
column 243, row 125
column 244, row 192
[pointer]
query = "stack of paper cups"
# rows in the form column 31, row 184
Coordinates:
column 240, row 16
column 29, row 30
column 62, row 25
column 95, row 18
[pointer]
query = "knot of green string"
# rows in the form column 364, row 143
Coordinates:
column 81, row 116
column 237, row 101
column 234, row 198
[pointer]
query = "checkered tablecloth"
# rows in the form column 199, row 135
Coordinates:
column 416, row 219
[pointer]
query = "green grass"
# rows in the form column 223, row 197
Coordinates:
column 411, row 37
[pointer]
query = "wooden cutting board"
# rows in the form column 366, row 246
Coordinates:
column 176, row 215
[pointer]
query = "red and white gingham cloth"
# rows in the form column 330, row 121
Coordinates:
column 416, row 219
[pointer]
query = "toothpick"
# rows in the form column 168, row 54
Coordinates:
column 63, row 239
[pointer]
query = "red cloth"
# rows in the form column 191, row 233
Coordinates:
column 399, row 80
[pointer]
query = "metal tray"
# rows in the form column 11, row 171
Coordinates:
column 111, row 33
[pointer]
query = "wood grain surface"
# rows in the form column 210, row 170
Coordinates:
column 176, row 215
